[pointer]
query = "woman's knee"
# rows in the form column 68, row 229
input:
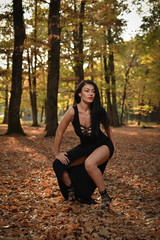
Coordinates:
column 89, row 166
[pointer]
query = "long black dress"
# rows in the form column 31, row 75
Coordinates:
column 90, row 140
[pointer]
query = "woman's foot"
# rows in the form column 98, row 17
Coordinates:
column 106, row 199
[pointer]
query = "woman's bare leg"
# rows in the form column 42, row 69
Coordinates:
column 98, row 157
column 66, row 179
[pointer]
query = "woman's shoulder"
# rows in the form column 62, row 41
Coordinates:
column 74, row 107
column 71, row 111
column 69, row 115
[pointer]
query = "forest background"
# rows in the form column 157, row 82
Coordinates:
column 49, row 50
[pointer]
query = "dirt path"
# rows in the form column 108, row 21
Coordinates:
column 33, row 208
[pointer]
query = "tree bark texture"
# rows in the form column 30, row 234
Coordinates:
column 125, row 87
column 29, row 79
column 5, row 120
column 14, row 125
column 34, row 93
column 42, row 111
column 78, row 45
column 141, row 101
column 53, row 66
column 159, row 114
column 81, row 76
column 113, row 81
column 107, row 80
column 92, row 59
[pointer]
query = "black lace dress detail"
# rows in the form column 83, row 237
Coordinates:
column 86, row 131
column 86, row 134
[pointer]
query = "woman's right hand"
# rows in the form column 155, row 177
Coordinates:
column 63, row 158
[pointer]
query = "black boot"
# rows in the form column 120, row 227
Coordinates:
column 106, row 199
column 71, row 194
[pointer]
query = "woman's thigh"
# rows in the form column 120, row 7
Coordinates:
column 98, row 156
column 90, row 152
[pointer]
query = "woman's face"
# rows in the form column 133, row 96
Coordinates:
column 87, row 93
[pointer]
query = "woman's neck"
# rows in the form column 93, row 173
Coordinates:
column 84, row 106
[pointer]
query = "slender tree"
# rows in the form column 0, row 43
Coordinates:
column 107, row 81
column 14, row 125
column 34, row 82
column 127, row 72
column 112, row 80
column 81, row 71
column 108, row 93
column 5, row 120
column 53, row 66
column 78, row 43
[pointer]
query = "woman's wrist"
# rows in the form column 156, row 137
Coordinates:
column 57, row 153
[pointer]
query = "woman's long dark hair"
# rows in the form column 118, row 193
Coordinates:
column 97, row 111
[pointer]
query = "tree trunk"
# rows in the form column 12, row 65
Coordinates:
column 113, row 80
column 81, row 71
column 123, row 99
column 34, row 94
column 76, row 62
column 109, row 105
column 107, row 80
column 14, row 125
column 5, row 120
column 45, row 108
column 114, row 102
column 140, row 111
column 53, row 66
column 42, row 110
column 92, row 57
column 92, row 68
column 78, row 45
column 159, row 113
column 141, row 105
column 141, row 102
column 125, row 87
column 29, row 79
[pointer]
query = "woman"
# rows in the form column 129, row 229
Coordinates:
column 79, row 171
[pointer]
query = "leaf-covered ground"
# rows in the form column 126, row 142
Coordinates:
column 32, row 207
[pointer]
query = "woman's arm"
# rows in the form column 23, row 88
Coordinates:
column 67, row 118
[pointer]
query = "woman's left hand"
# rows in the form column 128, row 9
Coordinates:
column 63, row 158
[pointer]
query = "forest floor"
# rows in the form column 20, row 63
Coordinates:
column 31, row 204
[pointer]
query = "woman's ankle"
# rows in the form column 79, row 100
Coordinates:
column 71, row 193
column 103, row 192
